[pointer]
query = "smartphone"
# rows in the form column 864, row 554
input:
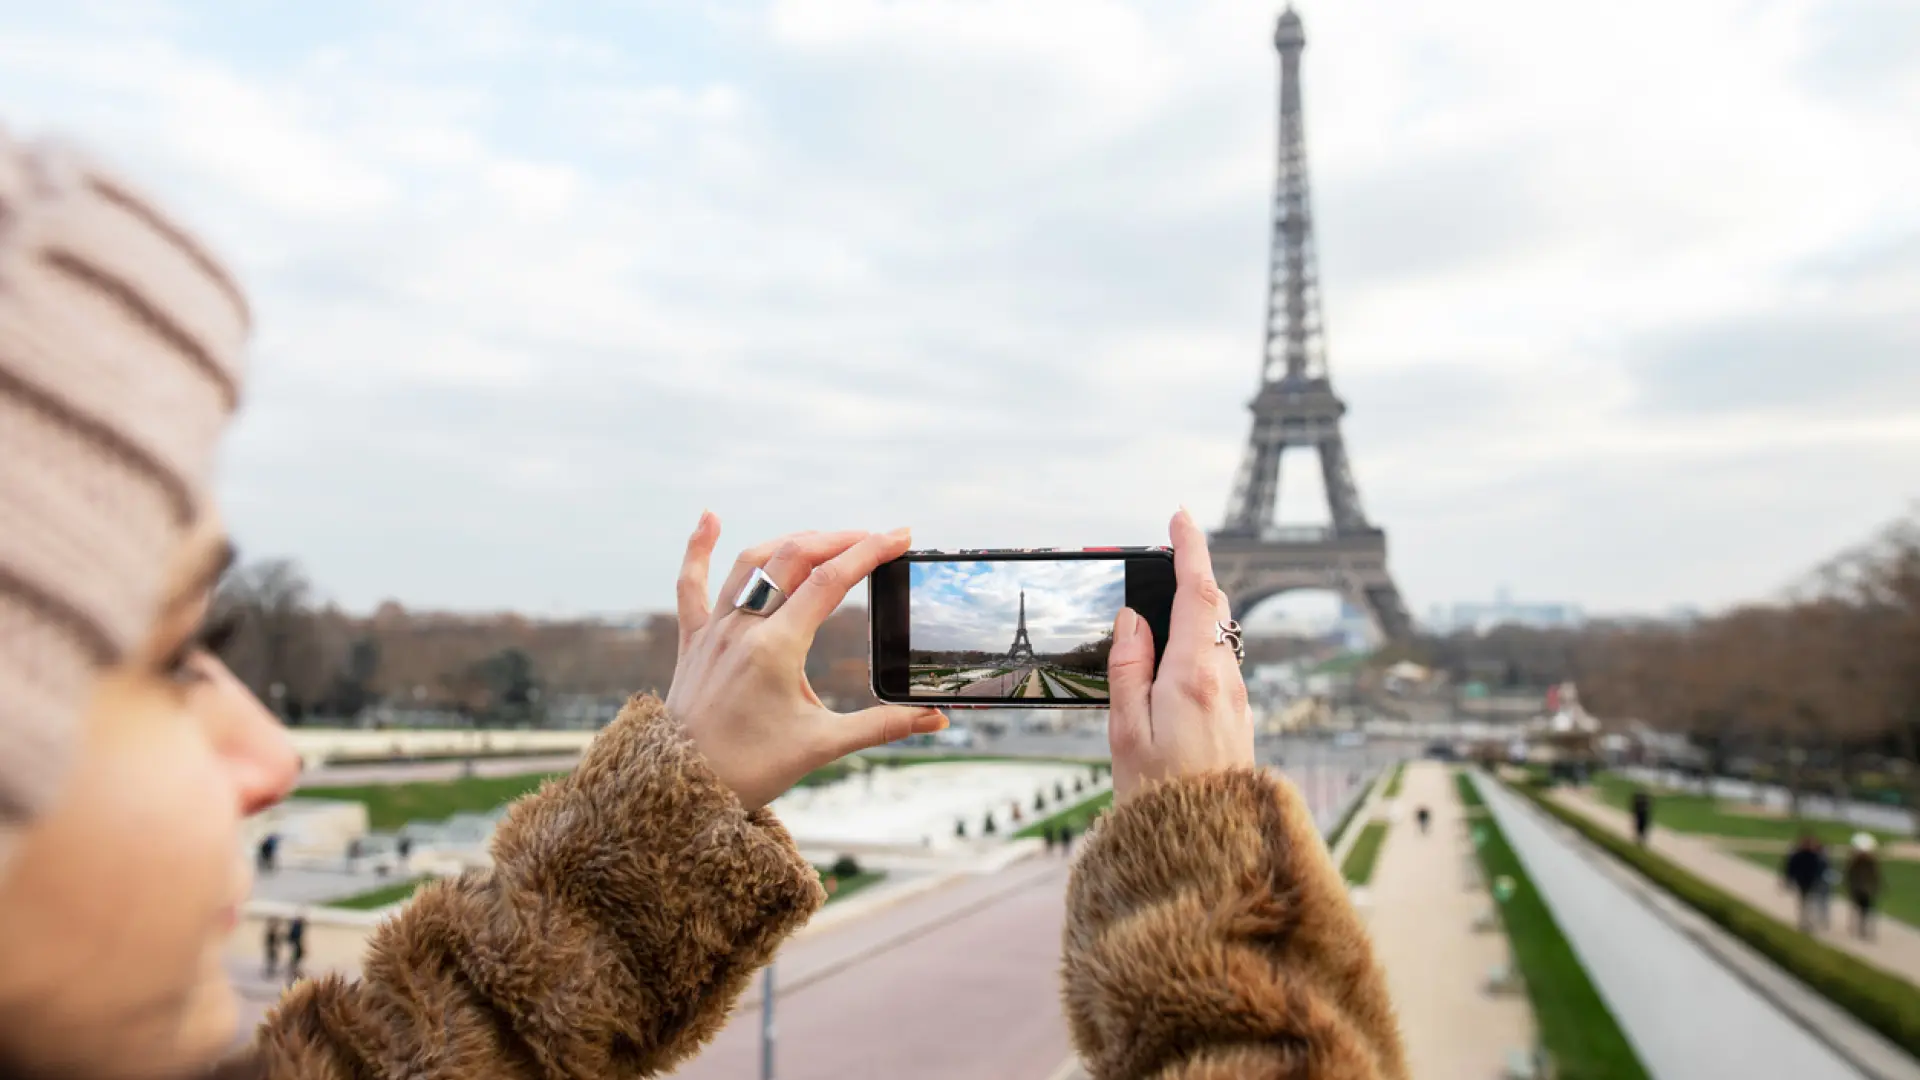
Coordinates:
column 1023, row 628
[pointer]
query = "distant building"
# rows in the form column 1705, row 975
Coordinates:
column 1478, row 616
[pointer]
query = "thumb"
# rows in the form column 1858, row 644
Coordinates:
column 1129, row 682
column 883, row 724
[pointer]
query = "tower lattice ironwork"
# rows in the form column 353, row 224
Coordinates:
column 1296, row 408
column 1022, row 651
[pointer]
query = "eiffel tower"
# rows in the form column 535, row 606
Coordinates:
column 1022, row 651
column 1253, row 557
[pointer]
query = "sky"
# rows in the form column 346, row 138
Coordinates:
column 976, row 605
column 1621, row 298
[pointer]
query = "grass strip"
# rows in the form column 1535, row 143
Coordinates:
column 1882, row 1001
column 1576, row 1027
column 1393, row 782
column 390, row 806
column 1358, row 867
column 1076, row 818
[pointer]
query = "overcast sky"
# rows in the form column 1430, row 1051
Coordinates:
column 976, row 605
column 1622, row 297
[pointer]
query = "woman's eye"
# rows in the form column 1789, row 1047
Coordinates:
column 184, row 666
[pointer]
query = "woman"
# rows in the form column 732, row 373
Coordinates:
column 630, row 902
column 1863, row 883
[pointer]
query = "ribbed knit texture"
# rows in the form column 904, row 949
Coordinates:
column 120, row 362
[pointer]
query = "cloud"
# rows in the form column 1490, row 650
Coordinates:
column 977, row 606
column 537, row 284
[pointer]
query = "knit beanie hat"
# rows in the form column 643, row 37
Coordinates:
column 120, row 363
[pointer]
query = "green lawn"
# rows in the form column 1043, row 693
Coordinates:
column 1701, row 814
column 1358, row 867
column 1575, row 1025
column 1899, row 883
column 381, row 897
column 390, row 806
column 1076, row 817
column 850, row 885
column 1393, row 782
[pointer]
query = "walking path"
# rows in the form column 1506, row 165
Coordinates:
column 1896, row 947
column 1421, row 917
column 1688, row 1015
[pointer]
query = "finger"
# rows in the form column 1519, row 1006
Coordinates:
column 831, row 580
column 1198, row 602
column 794, row 560
column 757, row 556
column 690, row 591
column 878, row 726
column 1129, row 682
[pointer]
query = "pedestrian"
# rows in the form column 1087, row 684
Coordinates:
column 1052, row 838
column 296, row 947
column 121, row 340
column 269, row 848
column 271, row 946
column 1863, row 884
column 403, row 848
column 1642, row 817
column 1805, row 871
column 1066, row 839
column 353, row 855
column 1424, row 817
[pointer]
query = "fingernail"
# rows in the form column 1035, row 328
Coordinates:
column 900, row 533
column 1129, row 622
column 1186, row 513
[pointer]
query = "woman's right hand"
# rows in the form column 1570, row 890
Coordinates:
column 1191, row 716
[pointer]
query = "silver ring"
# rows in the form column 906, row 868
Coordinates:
column 1228, row 633
column 760, row 596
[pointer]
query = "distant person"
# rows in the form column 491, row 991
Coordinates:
column 121, row 345
column 270, row 947
column 1805, row 871
column 1642, row 817
column 1424, row 817
column 1863, row 884
column 296, row 947
column 353, row 855
column 1052, row 838
column 269, row 848
column 1066, row 839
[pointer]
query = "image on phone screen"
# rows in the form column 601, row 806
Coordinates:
column 1012, row 629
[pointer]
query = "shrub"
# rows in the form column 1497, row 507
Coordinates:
column 990, row 828
column 846, row 866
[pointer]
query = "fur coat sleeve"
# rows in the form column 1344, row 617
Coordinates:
column 629, row 904
column 1210, row 936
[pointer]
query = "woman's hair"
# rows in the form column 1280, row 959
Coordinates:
column 120, row 362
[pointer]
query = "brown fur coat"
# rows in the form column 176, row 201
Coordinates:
column 632, row 900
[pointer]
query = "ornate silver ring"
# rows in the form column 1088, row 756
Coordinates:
column 1228, row 633
column 759, row 596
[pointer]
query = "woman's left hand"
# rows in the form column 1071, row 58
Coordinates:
column 740, row 686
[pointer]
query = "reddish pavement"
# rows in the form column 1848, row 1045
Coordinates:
column 960, row 984
column 998, row 686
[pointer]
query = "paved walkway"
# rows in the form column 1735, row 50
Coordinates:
column 1896, row 947
column 1422, row 923
column 1688, row 1016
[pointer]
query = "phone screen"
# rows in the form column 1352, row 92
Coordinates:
column 1010, row 629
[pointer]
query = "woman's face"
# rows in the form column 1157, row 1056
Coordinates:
column 113, row 914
